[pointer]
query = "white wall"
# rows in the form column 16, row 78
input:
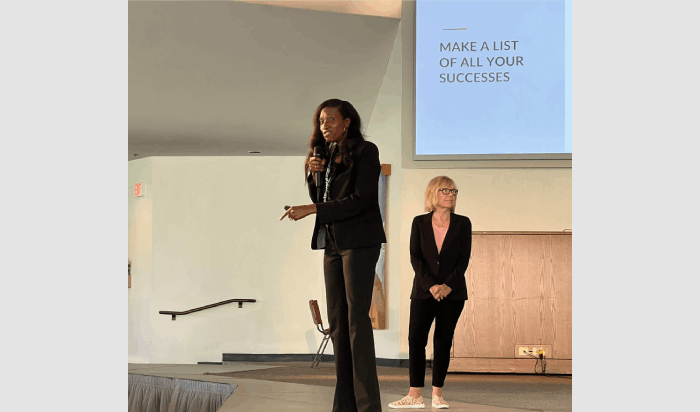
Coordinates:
column 384, row 129
column 216, row 236
column 141, row 256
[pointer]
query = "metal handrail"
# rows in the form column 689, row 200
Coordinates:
column 213, row 305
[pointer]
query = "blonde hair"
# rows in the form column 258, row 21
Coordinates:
column 431, row 196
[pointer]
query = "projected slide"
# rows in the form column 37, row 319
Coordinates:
column 490, row 77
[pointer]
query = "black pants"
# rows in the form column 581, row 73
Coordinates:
column 349, row 276
column 423, row 311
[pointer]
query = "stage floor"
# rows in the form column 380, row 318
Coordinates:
column 268, row 395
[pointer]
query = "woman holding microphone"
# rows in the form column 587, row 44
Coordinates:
column 349, row 228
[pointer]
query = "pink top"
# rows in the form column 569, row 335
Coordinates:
column 439, row 235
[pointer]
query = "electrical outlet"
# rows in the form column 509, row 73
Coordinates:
column 524, row 351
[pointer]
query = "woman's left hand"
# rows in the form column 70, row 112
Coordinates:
column 442, row 291
column 299, row 212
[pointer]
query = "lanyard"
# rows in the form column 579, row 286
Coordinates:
column 329, row 172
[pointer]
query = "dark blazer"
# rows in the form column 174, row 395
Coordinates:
column 353, row 202
column 448, row 266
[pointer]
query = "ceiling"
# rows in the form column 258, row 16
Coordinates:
column 226, row 78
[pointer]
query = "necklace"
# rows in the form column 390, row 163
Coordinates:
column 436, row 223
column 441, row 227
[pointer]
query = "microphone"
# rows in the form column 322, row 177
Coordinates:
column 319, row 153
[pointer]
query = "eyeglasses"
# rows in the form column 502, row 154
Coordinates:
column 446, row 191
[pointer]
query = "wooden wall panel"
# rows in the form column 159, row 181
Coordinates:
column 486, row 259
column 548, row 296
column 464, row 343
column 506, row 303
column 519, row 289
column 483, row 333
column 517, row 263
column 562, row 247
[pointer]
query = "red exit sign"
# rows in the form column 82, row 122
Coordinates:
column 138, row 189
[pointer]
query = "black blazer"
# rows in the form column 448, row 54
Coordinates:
column 353, row 202
column 448, row 266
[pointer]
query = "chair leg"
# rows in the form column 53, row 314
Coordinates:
column 326, row 339
column 321, row 349
column 314, row 363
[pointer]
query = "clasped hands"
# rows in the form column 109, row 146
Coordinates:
column 440, row 291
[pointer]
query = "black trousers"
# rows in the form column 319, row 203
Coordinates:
column 349, row 276
column 423, row 312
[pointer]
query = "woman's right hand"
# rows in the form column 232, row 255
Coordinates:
column 440, row 291
column 316, row 165
column 434, row 291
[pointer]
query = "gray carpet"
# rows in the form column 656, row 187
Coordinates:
column 532, row 392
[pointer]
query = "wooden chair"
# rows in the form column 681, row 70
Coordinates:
column 316, row 316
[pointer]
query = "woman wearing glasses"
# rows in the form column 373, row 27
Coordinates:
column 441, row 243
column 349, row 227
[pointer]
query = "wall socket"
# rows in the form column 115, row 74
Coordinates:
column 521, row 351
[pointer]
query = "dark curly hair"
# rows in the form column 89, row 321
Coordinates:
column 354, row 134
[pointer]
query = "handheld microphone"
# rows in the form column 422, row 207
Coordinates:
column 319, row 153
